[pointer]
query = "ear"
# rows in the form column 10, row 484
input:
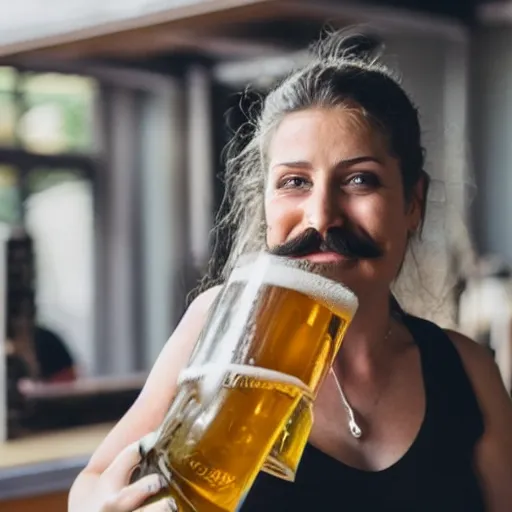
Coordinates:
column 417, row 203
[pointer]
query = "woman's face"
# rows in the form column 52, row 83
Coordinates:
column 329, row 169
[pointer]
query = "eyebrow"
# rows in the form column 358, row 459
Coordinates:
column 342, row 164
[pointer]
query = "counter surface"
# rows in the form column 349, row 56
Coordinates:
column 48, row 462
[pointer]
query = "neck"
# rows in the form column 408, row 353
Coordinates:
column 365, row 343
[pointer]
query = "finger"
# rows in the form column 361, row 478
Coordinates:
column 134, row 495
column 119, row 471
column 165, row 505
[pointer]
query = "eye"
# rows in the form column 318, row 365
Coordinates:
column 294, row 182
column 367, row 180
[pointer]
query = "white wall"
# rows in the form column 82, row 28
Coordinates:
column 435, row 75
column 491, row 106
column 60, row 221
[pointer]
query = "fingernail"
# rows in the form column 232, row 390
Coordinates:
column 171, row 505
column 162, row 482
column 155, row 484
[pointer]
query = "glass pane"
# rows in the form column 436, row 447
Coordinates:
column 58, row 115
column 7, row 119
column 7, row 79
column 43, row 179
column 59, row 217
column 10, row 197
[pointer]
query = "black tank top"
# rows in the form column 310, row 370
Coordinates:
column 435, row 475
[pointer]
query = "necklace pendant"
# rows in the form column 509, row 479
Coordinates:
column 355, row 430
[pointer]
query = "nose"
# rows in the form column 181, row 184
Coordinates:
column 323, row 210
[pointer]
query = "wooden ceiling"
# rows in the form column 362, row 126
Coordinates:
column 215, row 28
column 219, row 28
column 199, row 26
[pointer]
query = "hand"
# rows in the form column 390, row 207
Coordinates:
column 119, row 496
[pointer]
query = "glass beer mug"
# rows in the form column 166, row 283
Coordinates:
column 244, row 401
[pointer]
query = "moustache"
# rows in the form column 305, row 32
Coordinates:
column 341, row 240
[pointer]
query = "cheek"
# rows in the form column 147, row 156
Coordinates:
column 396, row 238
column 382, row 218
column 386, row 222
column 281, row 218
column 374, row 216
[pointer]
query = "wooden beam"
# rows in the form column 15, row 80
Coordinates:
column 163, row 41
column 207, row 28
column 95, row 41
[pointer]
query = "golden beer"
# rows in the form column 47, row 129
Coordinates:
column 284, row 458
column 244, row 400
column 217, row 450
column 313, row 334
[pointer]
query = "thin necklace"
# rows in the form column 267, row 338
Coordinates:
column 353, row 427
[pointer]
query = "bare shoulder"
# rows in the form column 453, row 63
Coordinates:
column 483, row 372
column 203, row 302
column 180, row 344
column 493, row 452
column 475, row 357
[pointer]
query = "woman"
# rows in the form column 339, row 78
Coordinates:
column 334, row 173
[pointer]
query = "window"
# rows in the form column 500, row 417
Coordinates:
column 7, row 106
column 59, row 218
column 10, row 196
column 57, row 115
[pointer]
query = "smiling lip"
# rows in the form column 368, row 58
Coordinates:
column 325, row 257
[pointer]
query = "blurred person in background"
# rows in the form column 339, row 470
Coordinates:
column 54, row 361
column 39, row 350
column 35, row 357
column 334, row 173
column 37, row 353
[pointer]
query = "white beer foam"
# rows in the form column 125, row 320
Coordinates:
column 332, row 294
column 236, row 328
column 257, row 372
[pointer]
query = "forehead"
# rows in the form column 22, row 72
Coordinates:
column 334, row 133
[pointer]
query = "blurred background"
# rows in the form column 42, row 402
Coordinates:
column 113, row 117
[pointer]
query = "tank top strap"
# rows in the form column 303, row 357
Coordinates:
column 452, row 409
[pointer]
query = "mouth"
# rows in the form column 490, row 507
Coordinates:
column 325, row 257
